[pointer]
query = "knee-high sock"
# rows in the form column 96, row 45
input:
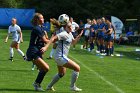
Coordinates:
column 20, row 52
column 107, row 51
column 101, row 48
column 40, row 76
column 33, row 65
column 11, row 52
column 112, row 49
column 74, row 78
column 91, row 46
column 97, row 46
column 55, row 79
column 52, row 52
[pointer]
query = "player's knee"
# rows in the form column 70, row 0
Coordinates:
column 61, row 75
column 46, row 69
column 77, row 69
column 17, row 49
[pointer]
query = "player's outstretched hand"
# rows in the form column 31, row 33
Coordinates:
column 21, row 40
column 43, row 49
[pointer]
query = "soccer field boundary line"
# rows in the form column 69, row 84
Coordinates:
column 98, row 75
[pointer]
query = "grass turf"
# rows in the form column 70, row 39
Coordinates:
column 99, row 74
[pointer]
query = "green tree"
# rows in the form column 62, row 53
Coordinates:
column 10, row 3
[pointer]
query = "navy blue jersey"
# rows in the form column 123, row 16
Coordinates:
column 95, row 27
column 36, row 37
column 36, row 43
column 108, row 37
column 101, row 26
column 107, row 27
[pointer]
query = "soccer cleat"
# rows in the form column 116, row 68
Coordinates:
column 37, row 87
column 50, row 89
column 11, row 59
column 97, row 51
column 24, row 57
column 33, row 68
column 75, row 89
column 112, row 55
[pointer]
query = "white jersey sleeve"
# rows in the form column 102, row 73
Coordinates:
column 18, row 28
column 76, row 25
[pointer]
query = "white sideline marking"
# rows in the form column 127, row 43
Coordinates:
column 98, row 75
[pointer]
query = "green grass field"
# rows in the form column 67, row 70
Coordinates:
column 99, row 74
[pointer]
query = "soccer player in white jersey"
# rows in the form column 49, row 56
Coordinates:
column 75, row 27
column 15, row 30
column 56, row 31
column 87, row 33
column 65, row 38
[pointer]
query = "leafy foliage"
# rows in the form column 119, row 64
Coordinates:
column 79, row 9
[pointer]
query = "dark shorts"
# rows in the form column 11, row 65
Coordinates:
column 109, row 38
column 100, row 37
column 92, row 34
column 105, row 38
column 33, row 53
column 86, row 38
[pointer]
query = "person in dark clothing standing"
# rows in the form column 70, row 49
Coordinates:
column 37, row 41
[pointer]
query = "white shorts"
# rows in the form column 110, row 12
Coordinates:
column 16, row 40
column 61, row 60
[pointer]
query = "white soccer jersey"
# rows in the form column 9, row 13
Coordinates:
column 87, row 31
column 74, row 25
column 59, row 31
column 14, row 30
column 64, row 41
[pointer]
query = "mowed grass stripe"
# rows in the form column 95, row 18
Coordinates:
column 98, row 75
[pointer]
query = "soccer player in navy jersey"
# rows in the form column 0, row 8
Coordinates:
column 101, row 30
column 109, row 38
column 93, row 29
column 37, row 41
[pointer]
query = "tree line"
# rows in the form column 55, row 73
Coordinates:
column 79, row 9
